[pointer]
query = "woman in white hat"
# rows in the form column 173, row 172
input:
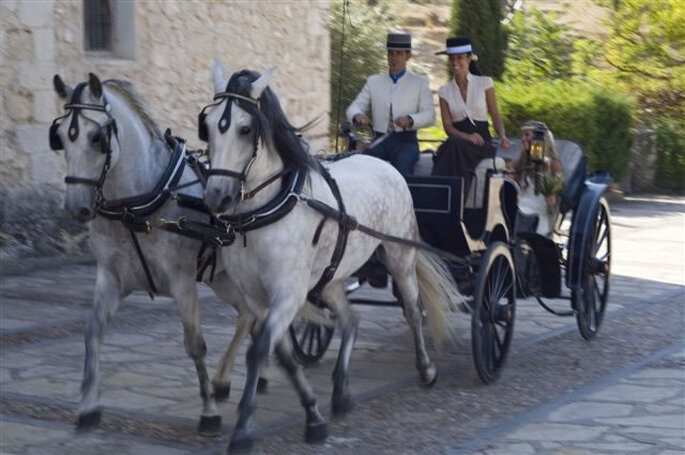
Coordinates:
column 465, row 103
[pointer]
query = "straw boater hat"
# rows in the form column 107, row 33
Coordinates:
column 398, row 42
column 458, row 45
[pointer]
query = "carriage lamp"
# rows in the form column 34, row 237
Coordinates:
column 537, row 147
column 537, row 155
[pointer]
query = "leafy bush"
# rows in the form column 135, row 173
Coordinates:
column 670, row 158
column 366, row 28
column 597, row 118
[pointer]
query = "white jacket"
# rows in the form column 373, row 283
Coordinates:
column 409, row 96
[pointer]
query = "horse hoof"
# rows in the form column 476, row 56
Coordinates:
column 429, row 377
column 89, row 420
column 315, row 433
column 262, row 385
column 240, row 444
column 342, row 404
column 209, row 424
column 222, row 391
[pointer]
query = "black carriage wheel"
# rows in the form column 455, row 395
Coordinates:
column 310, row 341
column 494, row 308
column 590, row 300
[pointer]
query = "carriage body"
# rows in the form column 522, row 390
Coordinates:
column 502, row 256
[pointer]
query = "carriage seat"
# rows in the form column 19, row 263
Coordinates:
column 424, row 167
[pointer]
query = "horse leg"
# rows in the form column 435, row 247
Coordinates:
column 187, row 300
column 401, row 264
column 341, row 401
column 315, row 430
column 273, row 329
column 222, row 380
column 106, row 300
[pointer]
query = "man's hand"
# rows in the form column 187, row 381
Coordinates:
column 505, row 142
column 405, row 122
column 360, row 120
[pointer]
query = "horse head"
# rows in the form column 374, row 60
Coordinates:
column 232, row 127
column 248, row 136
column 87, row 135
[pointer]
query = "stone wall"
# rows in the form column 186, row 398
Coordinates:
column 175, row 43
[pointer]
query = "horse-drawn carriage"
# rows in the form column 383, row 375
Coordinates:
column 332, row 230
column 496, row 256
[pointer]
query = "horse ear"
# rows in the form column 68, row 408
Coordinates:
column 95, row 86
column 260, row 84
column 63, row 90
column 218, row 72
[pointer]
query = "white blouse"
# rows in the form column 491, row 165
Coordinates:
column 476, row 107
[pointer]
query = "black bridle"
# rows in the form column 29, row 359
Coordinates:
column 104, row 131
column 224, row 123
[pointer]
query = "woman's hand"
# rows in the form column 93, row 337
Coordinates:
column 475, row 138
column 504, row 142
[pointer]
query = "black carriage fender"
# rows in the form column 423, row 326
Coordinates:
column 582, row 226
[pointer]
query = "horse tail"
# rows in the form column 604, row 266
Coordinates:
column 438, row 293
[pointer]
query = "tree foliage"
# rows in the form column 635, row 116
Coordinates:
column 366, row 25
column 646, row 51
column 538, row 48
column 481, row 20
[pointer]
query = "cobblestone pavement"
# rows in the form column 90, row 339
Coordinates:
column 621, row 393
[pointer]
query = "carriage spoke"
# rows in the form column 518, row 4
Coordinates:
column 600, row 241
column 311, row 339
column 497, row 338
column 303, row 335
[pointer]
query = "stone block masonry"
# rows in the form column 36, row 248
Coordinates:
column 173, row 49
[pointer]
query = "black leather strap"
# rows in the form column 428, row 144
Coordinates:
column 314, row 294
column 143, row 262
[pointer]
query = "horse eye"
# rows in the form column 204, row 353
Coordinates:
column 244, row 130
column 97, row 137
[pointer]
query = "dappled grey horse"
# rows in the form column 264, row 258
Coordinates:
column 259, row 164
column 118, row 163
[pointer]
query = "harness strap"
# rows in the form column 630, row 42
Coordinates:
column 250, row 194
column 143, row 262
column 344, row 228
column 352, row 224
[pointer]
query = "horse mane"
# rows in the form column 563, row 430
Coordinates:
column 135, row 102
column 272, row 124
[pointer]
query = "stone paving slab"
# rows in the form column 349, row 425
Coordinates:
column 613, row 415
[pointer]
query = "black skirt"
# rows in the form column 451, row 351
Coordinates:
column 459, row 157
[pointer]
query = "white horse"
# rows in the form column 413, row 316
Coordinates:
column 115, row 150
column 251, row 143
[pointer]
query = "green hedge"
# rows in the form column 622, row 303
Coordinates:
column 597, row 118
column 670, row 158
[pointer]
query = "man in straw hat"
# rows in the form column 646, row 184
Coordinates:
column 400, row 103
